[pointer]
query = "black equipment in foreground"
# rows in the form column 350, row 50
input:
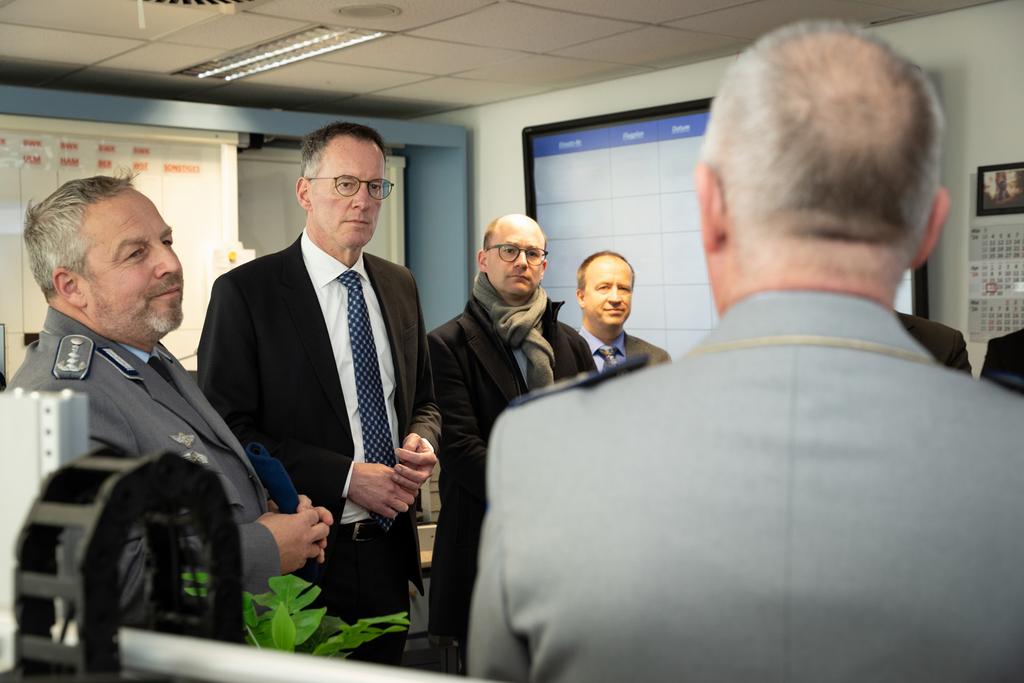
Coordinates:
column 76, row 532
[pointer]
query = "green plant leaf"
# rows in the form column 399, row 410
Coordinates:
column 248, row 610
column 307, row 622
column 282, row 630
column 268, row 600
column 287, row 587
column 399, row 618
column 304, row 599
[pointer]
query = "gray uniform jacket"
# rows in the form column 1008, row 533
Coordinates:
column 133, row 409
column 635, row 346
column 781, row 512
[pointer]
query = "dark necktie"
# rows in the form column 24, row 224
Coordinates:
column 158, row 364
column 608, row 354
column 373, row 416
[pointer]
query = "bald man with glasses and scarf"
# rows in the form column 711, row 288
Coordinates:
column 506, row 342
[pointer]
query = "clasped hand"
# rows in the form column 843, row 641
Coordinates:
column 301, row 535
column 390, row 491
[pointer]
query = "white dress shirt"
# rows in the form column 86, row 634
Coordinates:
column 323, row 271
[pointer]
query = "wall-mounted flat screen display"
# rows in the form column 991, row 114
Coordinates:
column 625, row 182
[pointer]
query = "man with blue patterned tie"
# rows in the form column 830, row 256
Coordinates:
column 604, row 291
column 319, row 353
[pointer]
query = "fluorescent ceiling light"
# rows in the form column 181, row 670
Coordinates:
column 298, row 46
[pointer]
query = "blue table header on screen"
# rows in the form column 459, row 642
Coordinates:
column 567, row 143
column 656, row 130
column 690, row 126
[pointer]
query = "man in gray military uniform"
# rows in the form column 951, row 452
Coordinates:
column 807, row 495
column 604, row 291
column 102, row 255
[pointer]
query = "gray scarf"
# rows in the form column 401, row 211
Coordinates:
column 520, row 327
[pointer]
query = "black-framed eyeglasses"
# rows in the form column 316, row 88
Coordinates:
column 348, row 185
column 510, row 252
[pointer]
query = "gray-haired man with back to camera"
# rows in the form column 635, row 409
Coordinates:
column 807, row 495
column 103, row 257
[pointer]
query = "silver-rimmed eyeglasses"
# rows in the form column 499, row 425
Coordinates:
column 510, row 252
column 348, row 185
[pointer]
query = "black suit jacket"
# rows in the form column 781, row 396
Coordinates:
column 946, row 344
column 266, row 364
column 476, row 376
column 1005, row 354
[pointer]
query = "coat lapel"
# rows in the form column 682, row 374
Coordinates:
column 490, row 351
column 308, row 321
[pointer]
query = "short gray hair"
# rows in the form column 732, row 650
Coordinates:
column 53, row 226
column 828, row 127
column 314, row 144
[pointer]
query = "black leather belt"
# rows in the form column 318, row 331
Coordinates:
column 363, row 530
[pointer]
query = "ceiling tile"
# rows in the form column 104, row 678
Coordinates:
column 757, row 18
column 414, row 13
column 33, row 73
column 924, row 6
column 461, row 92
column 334, row 77
column 404, row 53
column 653, row 46
column 105, row 17
column 243, row 94
column 653, row 11
column 133, row 83
column 40, row 43
column 234, row 32
column 383, row 107
column 521, row 27
column 161, row 58
column 542, row 70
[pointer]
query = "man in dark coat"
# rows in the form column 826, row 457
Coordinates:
column 319, row 353
column 506, row 342
column 945, row 343
column 1005, row 355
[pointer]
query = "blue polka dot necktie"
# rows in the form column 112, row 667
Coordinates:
column 608, row 354
column 373, row 417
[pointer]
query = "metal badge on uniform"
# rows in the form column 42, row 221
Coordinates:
column 74, row 356
column 197, row 458
column 120, row 364
column 184, row 439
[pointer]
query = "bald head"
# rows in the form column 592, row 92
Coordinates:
column 828, row 133
column 512, row 220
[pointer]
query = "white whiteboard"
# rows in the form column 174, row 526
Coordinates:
column 182, row 172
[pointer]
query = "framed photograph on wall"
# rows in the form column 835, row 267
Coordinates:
column 1001, row 189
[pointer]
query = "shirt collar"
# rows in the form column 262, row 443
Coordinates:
column 322, row 267
column 139, row 353
column 595, row 343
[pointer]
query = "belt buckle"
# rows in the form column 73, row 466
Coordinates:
column 356, row 528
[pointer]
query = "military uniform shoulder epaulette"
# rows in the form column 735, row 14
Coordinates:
column 74, row 357
column 120, row 364
column 591, row 379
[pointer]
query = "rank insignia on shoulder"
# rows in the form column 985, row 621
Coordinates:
column 590, row 379
column 120, row 364
column 195, row 458
column 184, row 439
column 74, row 356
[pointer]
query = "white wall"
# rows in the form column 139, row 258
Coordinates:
column 975, row 55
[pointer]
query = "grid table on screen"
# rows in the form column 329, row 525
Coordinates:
column 629, row 188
